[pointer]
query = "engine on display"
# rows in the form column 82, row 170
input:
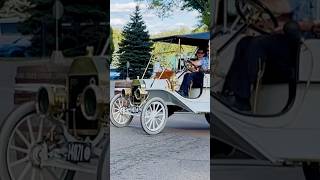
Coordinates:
column 136, row 95
column 81, row 103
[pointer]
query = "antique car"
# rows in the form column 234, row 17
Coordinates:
column 277, row 137
column 58, row 129
column 156, row 98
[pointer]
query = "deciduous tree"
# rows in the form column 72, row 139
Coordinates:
column 166, row 7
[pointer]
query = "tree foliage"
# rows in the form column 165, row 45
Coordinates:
column 164, row 51
column 116, row 38
column 15, row 8
column 79, row 27
column 166, row 8
column 135, row 47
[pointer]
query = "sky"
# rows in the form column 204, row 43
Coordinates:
column 122, row 9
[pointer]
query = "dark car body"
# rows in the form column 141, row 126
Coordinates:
column 16, row 48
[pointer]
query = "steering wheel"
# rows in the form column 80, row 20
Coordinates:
column 189, row 66
column 254, row 11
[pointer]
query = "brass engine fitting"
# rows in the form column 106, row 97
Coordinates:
column 51, row 100
column 126, row 92
column 140, row 93
column 173, row 82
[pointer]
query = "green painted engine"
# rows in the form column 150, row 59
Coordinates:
column 82, row 102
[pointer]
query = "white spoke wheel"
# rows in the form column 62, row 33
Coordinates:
column 22, row 148
column 154, row 116
column 118, row 107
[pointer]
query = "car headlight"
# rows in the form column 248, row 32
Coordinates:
column 92, row 102
column 140, row 93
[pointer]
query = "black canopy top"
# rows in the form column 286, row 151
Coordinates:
column 198, row 39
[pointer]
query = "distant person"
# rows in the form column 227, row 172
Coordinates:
column 156, row 68
column 201, row 65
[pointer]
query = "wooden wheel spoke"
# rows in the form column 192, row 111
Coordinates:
column 19, row 149
column 33, row 174
column 24, row 171
column 26, row 142
column 30, row 131
column 41, row 175
column 25, row 159
column 40, row 130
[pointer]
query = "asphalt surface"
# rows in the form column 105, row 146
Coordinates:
column 181, row 151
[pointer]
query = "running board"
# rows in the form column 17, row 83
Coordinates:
column 200, row 105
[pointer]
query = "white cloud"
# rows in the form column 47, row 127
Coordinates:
column 149, row 15
column 126, row 7
column 158, row 28
column 194, row 13
column 180, row 24
column 155, row 32
column 117, row 21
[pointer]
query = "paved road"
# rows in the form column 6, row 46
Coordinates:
column 181, row 151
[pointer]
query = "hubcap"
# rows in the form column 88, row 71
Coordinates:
column 38, row 153
column 119, row 111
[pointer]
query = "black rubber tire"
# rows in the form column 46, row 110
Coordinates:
column 207, row 115
column 103, row 172
column 311, row 171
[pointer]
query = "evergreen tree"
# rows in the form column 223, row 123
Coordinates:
column 135, row 46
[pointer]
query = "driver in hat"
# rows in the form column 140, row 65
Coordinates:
column 201, row 64
column 296, row 20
